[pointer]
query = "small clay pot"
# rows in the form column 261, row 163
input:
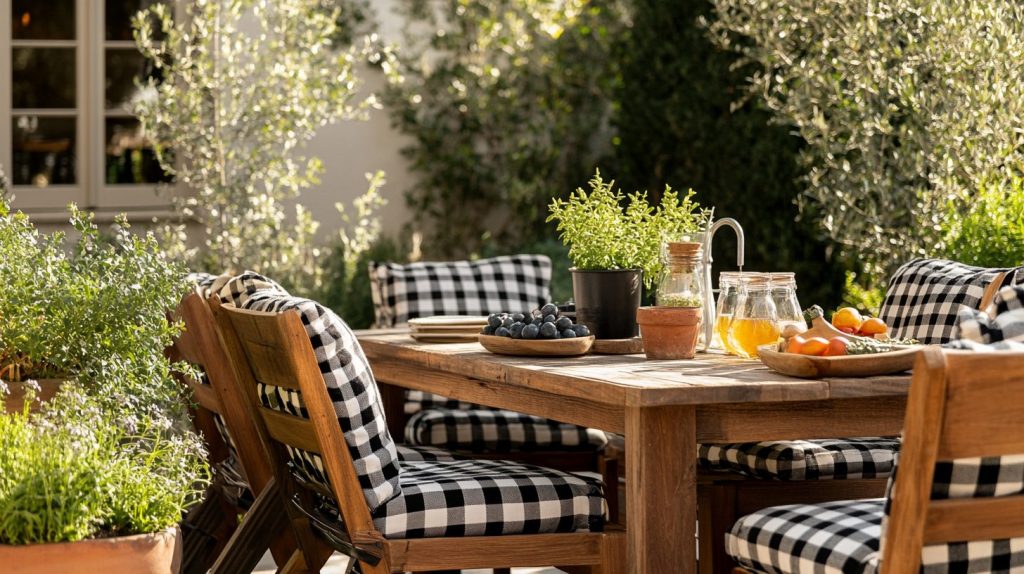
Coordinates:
column 157, row 553
column 14, row 401
column 669, row 332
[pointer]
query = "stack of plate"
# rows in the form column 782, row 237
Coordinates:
column 447, row 328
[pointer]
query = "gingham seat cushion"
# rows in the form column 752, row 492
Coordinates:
column 925, row 295
column 491, row 430
column 822, row 459
column 416, row 401
column 350, row 385
column 489, row 498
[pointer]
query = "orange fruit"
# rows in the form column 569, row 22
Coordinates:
column 872, row 326
column 814, row 346
column 847, row 317
column 837, row 347
column 795, row 343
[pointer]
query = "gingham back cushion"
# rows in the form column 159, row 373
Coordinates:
column 925, row 295
column 350, row 385
column 1000, row 327
column 513, row 283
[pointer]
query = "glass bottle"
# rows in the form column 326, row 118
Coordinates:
column 728, row 294
column 682, row 281
column 787, row 306
column 754, row 322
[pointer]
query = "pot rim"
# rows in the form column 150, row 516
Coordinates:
column 171, row 531
column 630, row 270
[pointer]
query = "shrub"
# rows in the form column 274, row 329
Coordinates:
column 991, row 232
column 906, row 106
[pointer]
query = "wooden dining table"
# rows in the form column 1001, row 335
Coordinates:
column 664, row 409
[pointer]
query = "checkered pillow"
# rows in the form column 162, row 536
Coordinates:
column 201, row 282
column 351, row 387
column 490, row 430
column 416, row 401
column 925, row 295
column 488, row 498
column 238, row 289
column 513, row 283
column 999, row 327
column 826, row 459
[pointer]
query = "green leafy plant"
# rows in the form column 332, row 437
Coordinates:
column 906, row 106
column 601, row 234
column 230, row 117
column 991, row 232
column 73, row 472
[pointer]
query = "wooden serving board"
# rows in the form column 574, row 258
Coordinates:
column 537, row 347
column 632, row 346
column 810, row 367
column 443, row 337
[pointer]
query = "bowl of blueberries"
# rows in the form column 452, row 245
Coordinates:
column 543, row 332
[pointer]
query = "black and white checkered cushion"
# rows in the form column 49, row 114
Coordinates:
column 488, row 498
column 822, row 459
column 416, row 401
column 489, row 430
column 238, row 289
column 513, row 283
column 201, row 282
column 1000, row 327
column 925, row 295
column 350, row 385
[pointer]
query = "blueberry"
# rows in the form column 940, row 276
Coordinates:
column 488, row 330
column 548, row 331
column 516, row 329
column 538, row 321
column 494, row 321
column 502, row 332
column 563, row 323
column 518, row 317
column 581, row 330
column 507, row 322
column 550, row 318
column 549, row 309
column 530, row 331
column 568, row 334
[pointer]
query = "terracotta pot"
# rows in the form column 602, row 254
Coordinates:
column 669, row 332
column 606, row 301
column 14, row 401
column 158, row 553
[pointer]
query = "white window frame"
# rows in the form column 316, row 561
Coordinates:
column 90, row 190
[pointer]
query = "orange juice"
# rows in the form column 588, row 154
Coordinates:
column 722, row 329
column 746, row 335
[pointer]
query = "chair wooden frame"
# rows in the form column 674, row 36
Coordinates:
column 262, row 527
column 957, row 408
column 274, row 349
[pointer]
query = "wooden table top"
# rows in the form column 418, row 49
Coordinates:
column 710, row 378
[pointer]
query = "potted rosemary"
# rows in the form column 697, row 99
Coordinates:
column 615, row 245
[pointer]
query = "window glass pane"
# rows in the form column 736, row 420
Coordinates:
column 43, row 77
column 130, row 159
column 44, row 150
column 120, row 14
column 47, row 20
column 123, row 66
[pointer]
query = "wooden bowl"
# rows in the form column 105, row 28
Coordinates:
column 810, row 367
column 537, row 347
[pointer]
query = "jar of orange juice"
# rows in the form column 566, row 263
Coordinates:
column 754, row 322
column 728, row 294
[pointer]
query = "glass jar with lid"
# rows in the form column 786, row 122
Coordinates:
column 728, row 295
column 682, row 281
column 787, row 306
column 755, row 321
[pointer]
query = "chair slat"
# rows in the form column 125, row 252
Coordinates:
column 262, row 345
column 293, row 431
column 206, row 397
column 983, row 410
column 962, row 520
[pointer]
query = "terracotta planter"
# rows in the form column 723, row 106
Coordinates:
column 158, row 553
column 606, row 301
column 669, row 332
column 14, row 401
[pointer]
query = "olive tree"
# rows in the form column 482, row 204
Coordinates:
column 907, row 107
column 244, row 84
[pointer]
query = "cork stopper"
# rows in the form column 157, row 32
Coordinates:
column 684, row 249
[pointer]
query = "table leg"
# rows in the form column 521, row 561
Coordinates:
column 661, row 489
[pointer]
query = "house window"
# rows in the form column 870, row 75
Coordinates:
column 65, row 130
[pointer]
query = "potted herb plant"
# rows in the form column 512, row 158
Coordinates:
column 96, row 478
column 670, row 328
column 615, row 245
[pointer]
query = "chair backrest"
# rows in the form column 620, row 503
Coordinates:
column 924, row 296
column 960, row 475
column 513, row 283
column 273, row 350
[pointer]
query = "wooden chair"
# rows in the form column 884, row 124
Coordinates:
column 223, row 398
column 274, row 349
column 962, row 405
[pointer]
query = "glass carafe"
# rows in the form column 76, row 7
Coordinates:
column 682, row 282
column 787, row 307
column 728, row 295
column 754, row 322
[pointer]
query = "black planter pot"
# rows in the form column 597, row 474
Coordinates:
column 606, row 301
